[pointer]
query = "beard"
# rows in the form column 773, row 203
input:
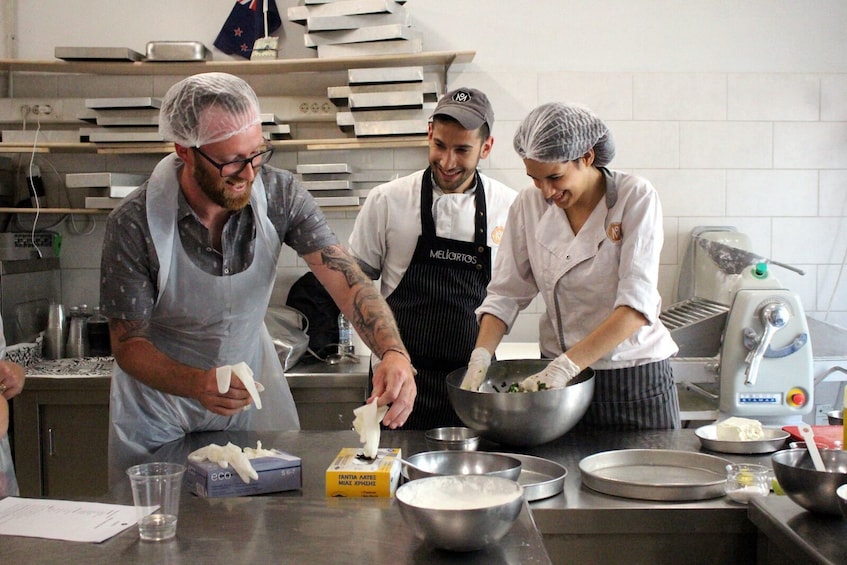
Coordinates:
column 215, row 188
column 454, row 183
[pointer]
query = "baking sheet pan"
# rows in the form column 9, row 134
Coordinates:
column 96, row 54
column 773, row 441
column 655, row 474
column 540, row 478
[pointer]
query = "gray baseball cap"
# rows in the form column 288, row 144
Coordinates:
column 468, row 106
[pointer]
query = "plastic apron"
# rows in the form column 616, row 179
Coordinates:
column 203, row 321
column 434, row 307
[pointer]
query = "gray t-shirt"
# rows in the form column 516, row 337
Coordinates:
column 129, row 266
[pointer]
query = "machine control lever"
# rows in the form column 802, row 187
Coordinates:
column 775, row 316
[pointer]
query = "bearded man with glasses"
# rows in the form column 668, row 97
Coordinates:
column 189, row 261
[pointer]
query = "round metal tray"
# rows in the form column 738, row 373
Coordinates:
column 540, row 478
column 655, row 474
column 774, row 440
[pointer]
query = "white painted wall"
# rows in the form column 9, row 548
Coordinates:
column 737, row 111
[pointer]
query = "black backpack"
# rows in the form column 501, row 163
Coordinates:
column 309, row 296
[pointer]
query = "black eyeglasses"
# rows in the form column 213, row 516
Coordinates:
column 233, row 168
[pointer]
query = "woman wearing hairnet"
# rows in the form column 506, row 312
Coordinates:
column 587, row 239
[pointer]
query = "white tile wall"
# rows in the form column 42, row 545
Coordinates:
column 734, row 125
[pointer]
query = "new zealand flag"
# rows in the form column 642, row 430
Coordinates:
column 246, row 24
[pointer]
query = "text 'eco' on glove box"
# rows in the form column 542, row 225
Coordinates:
column 351, row 475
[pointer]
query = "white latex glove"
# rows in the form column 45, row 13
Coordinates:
column 556, row 375
column 477, row 368
column 366, row 423
column 245, row 374
column 224, row 456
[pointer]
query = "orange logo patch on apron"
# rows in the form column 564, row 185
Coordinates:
column 614, row 232
column 497, row 234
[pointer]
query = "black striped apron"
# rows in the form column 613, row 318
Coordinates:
column 434, row 307
column 633, row 398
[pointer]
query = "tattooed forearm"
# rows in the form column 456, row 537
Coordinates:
column 375, row 320
column 128, row 329
column 336, row 258
column 371, row 315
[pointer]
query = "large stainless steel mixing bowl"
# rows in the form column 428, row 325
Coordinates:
column 460, row 513
column 813, row 490
column 520, row 419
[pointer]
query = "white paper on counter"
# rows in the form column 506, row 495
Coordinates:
column 64, row 519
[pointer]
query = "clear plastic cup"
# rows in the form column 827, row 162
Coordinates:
column 745, row 481
column 155, row 492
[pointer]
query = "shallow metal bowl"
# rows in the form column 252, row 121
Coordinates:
column 774, row 440
column 520, row 419
column 455, row 438
column 811, row 489
column 460, row 513
column 433, row 463
column 835, row 417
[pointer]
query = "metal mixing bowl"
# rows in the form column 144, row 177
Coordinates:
column 811, row 489
column 520, row 419
column 432, row 463
column 835, row 417
column 454, row 438
column 460, row 513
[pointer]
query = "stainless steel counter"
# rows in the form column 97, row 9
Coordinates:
column 790, row 534
column 578, row 526
column 298, row 527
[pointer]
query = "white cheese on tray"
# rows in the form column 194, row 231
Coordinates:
column 740, row 429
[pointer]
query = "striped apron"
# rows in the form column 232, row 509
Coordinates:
column 633, row 398
column 434, row 307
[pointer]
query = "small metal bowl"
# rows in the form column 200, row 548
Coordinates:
column 835, row 418
column 454, row 438
column 434, row 463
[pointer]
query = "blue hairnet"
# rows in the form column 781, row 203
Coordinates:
column 181, row 117
column 557, row 132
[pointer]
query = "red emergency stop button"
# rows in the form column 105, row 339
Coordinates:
column 797, row 397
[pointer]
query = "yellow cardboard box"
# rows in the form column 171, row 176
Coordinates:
column 351, row 475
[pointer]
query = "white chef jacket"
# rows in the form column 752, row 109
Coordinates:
column 613, row 261
column 389, row 224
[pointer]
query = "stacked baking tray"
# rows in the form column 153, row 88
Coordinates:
column 350, row 28
column 121, row 120
column 102, row 189
column 339, row 184
column 329, row 183
column 385, row 101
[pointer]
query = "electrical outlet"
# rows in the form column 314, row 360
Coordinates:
column 820, row 414
column 32, row 110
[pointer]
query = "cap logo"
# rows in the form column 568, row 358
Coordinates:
column 462, row 96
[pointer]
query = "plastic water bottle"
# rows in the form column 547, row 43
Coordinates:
column 345, row 336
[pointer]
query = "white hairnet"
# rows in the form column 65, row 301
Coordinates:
column 182, row 119
column 557, row 132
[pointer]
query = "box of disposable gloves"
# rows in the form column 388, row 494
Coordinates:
column 218, row 471
column 353, row 474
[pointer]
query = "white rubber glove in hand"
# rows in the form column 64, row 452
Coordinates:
column 477, row 368
column 556, row 375
column 245, row 375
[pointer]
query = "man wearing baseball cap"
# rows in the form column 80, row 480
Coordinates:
column 431, row 238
